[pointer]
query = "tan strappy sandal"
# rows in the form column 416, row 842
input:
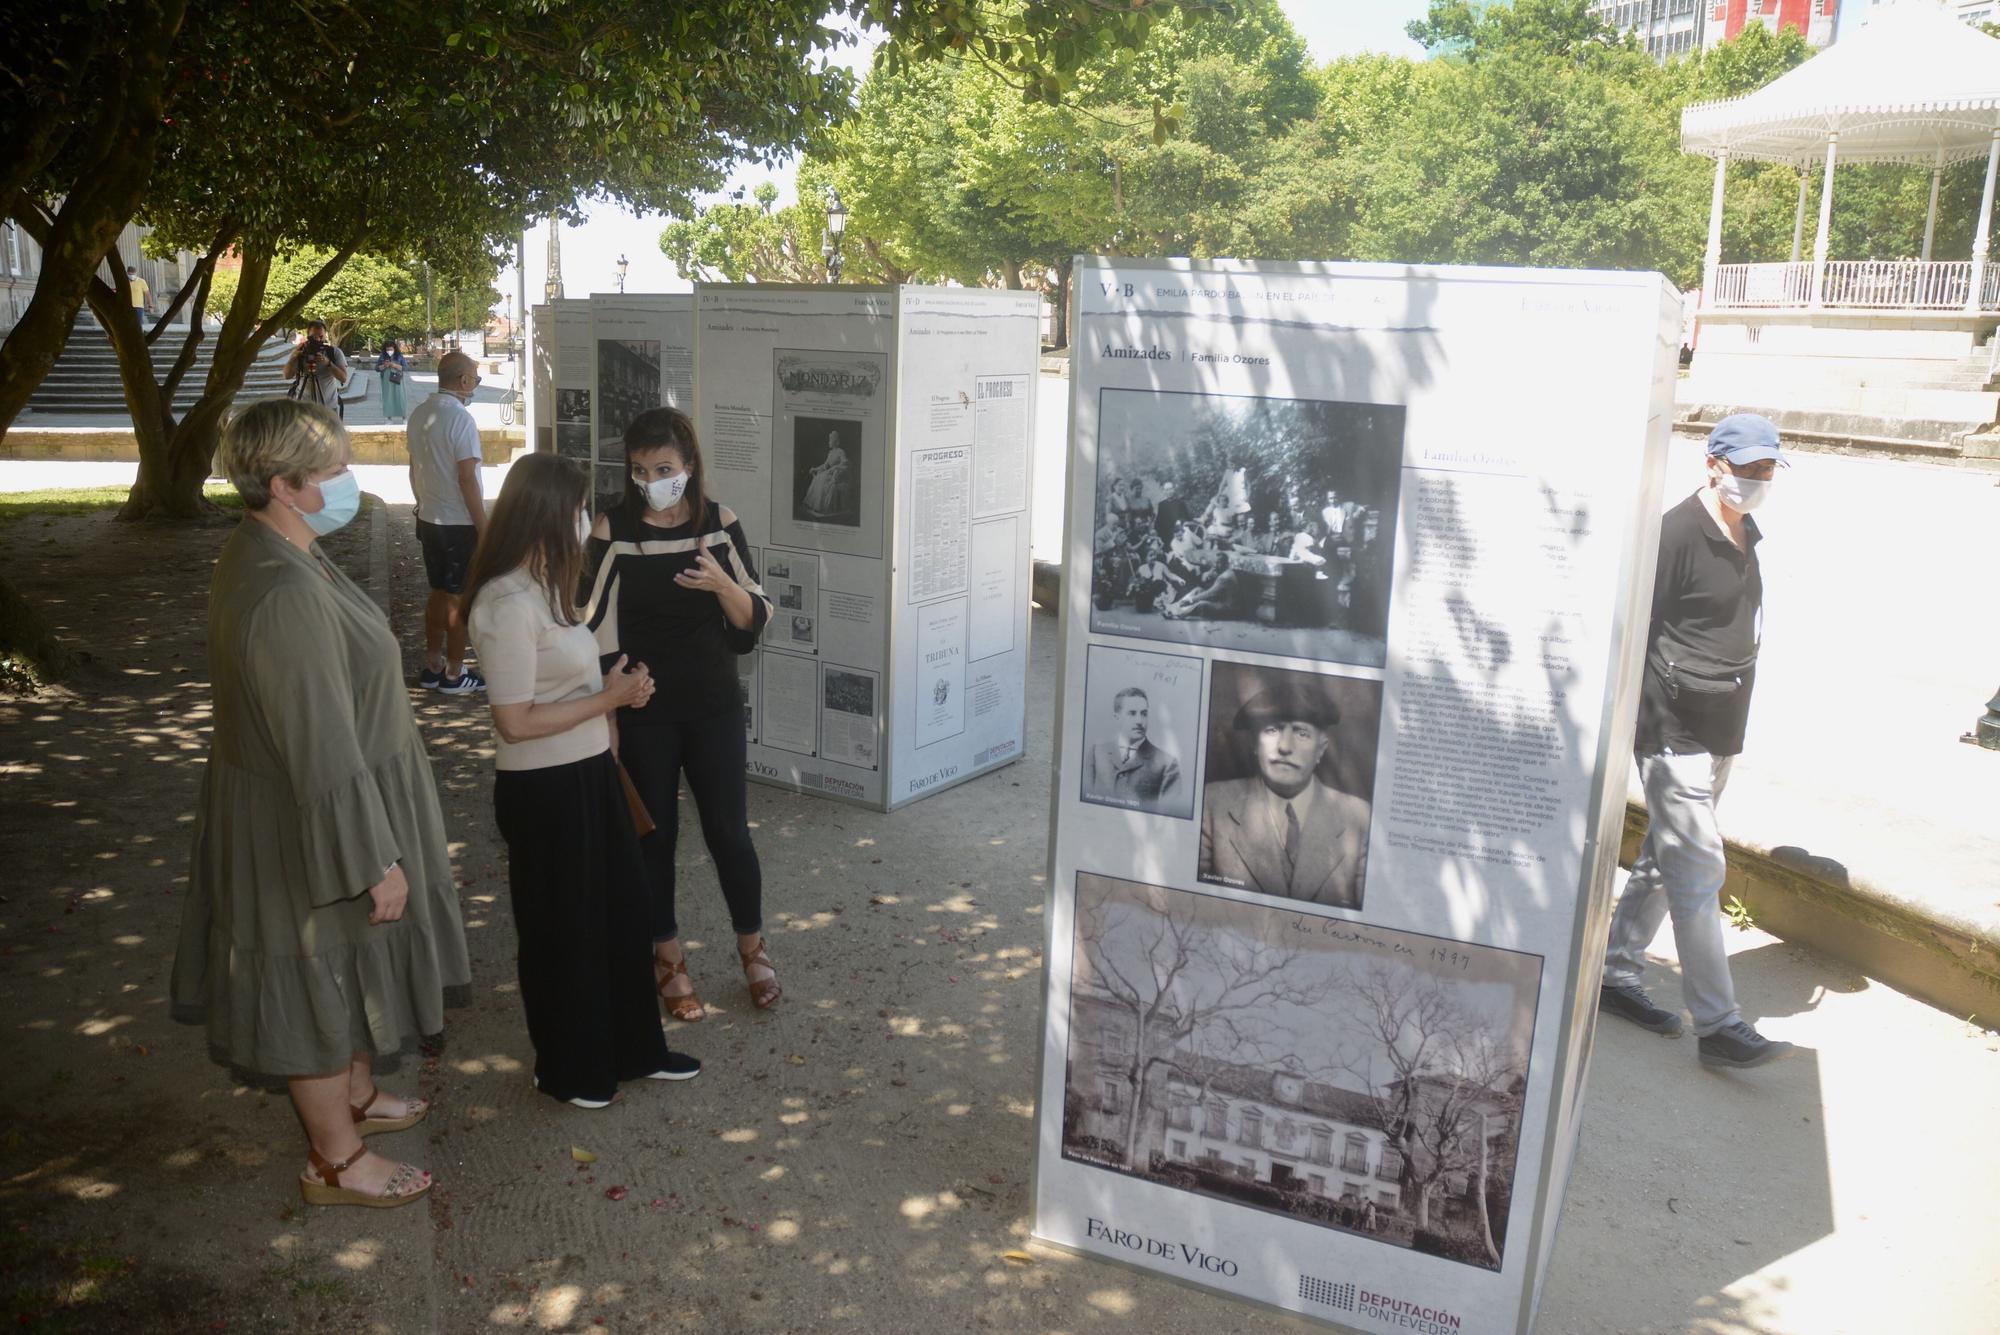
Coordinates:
column 686, row 1007
column 366, row 1125
column 764, row 992
column 406, row 1184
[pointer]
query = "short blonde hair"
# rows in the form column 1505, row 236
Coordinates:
column 275, row 438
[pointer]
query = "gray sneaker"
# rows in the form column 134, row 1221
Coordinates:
column 1629, row 1001
column 1737, row 1045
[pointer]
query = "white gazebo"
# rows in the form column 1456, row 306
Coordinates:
column 1880, row 341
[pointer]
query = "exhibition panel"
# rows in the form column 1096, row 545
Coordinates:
column 1352, row 611
column 874, row 442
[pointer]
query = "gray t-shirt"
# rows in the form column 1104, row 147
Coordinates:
column 441, row 433
column 323, row 386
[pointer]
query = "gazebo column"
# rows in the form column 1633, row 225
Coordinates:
column 1711, row 258
column 1825, row 222
column 1981, row 237
column 1799, row 216
column 1930, row 218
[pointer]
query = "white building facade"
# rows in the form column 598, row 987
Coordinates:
column 1667, row 27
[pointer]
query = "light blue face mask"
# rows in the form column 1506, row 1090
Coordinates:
column 341, row 497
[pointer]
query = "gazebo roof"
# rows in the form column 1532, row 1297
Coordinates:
column 1912, row 83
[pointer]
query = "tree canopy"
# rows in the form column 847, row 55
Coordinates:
column 435, row 131
column 1531, row 134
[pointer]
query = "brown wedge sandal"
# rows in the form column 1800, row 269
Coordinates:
column 398, row 1190
column 764, row 993
column 365, row 1125
column 686, row 1007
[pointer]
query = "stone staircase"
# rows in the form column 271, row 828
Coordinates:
column 84, row 379
column 1974, row 372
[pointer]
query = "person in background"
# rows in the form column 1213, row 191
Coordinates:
column 673, row 587
column 317, row 369
column 320, row 939
column 451, row 511
column 392, row 369
column 1694, row 706
column 142, row 292
column 575, row 875
column 1170, row 513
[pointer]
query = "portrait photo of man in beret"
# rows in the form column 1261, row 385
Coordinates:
column 1291, row 755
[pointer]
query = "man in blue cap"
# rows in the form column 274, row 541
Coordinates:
column 1694, row 703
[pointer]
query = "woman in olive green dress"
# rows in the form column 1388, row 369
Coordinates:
column 321, row 936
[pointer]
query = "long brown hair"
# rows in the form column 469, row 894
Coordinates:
column 534, row 524
column 658, row 428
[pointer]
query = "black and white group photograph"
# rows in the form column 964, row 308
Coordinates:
column 1141, row 729
column 1362, row 1079
column 572, row 405
column 628, row 383
column 1288, row 783
column 1245, row 523
column 826, row 471
column 791, row 597
column 850, row 692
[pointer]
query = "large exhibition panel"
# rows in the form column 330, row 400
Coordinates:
column 875, row 443
column 1353, row 599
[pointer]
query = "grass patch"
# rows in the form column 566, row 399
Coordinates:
column 55, row 502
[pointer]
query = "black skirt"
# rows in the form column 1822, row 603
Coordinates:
column 580, row 909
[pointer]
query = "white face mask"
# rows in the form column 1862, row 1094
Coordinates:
column 1742, row 494
column 665, row 493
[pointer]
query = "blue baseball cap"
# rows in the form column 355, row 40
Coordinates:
column 1746, row 438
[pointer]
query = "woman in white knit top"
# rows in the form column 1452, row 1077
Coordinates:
column 576, row 881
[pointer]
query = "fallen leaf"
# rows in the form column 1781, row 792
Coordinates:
column 795, row 1059
column 1018, row 1258
column 581, row 1155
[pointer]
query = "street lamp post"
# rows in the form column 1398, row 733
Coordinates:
column 623, row 264
column 836, row 223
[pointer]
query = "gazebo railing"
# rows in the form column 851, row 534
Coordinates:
column 1868, row 285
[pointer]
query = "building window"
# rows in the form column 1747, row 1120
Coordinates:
column 1322, row 1150
column 10, row 258
column 1215, row 1120
column 1179, row 1149
column 1354, row 1189
column 1249, row 1166
column 1317, row 1182
column 1387, row 1198
column 1252, row 1132
column 1356, row 1158
column 1110, row 1100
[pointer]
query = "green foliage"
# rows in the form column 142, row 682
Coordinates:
column 369, row 298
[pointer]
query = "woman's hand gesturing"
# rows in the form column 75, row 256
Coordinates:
column 628, row 687
column 707, row 574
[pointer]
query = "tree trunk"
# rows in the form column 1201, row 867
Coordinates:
column 1010, row 275
column 1485, row 1221
column 175, row 458
column 1065, row 268
column 114, row 168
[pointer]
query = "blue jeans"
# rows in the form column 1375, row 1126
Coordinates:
column 1680, row 870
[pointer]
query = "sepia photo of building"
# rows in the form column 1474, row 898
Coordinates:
column 1358, row 1078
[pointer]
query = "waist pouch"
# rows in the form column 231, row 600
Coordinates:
column 1694, row 687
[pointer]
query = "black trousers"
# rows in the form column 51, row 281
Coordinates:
column 578, row 886
column 710, row 754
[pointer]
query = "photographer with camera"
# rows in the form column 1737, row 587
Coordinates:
column 317, row 370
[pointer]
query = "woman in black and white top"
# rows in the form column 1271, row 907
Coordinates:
column 673, row 587
column 574, row 870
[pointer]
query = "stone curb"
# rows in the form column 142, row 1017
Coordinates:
column 372, row 444
column 1815, row 901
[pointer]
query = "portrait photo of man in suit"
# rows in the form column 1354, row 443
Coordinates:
column 1285, row 830
column 1129, row 770
column 1141, row 731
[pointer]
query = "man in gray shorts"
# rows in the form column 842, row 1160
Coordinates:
column 451, row 513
